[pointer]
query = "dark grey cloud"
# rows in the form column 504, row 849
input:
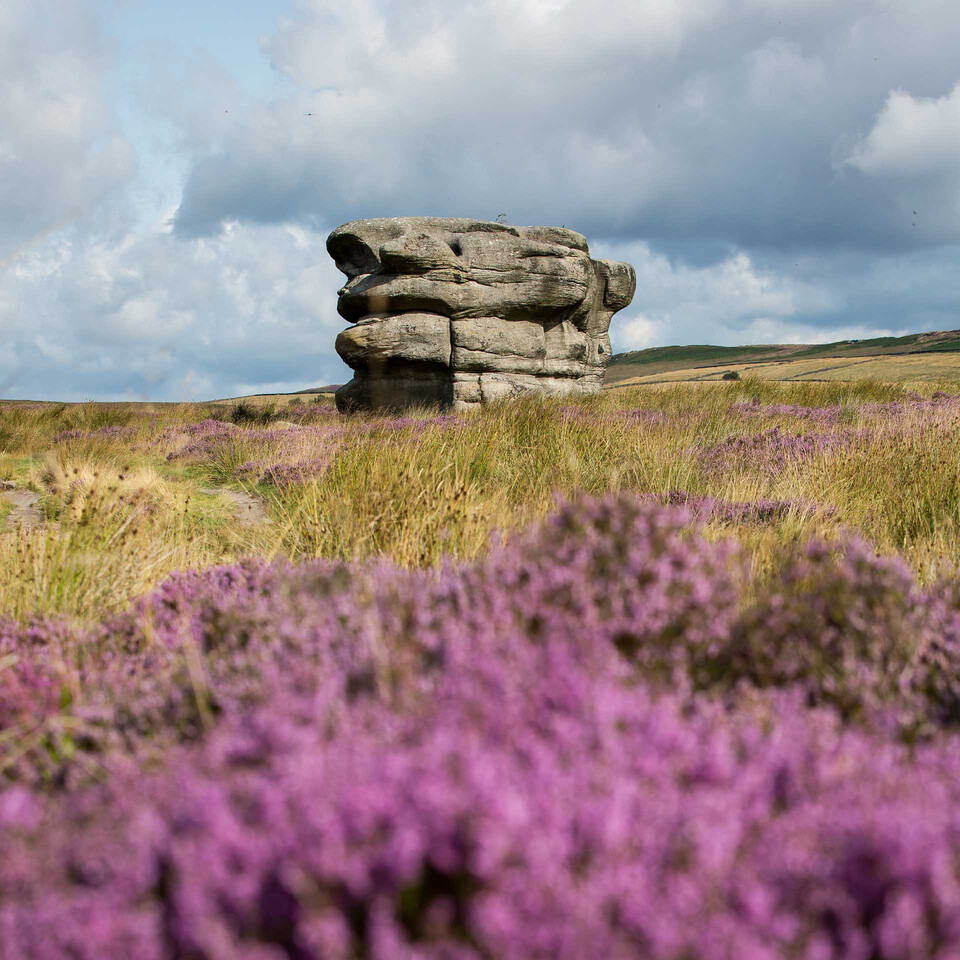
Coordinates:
column 773, row 298
column 752, row 123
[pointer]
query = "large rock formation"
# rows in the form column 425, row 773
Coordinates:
column 461, row 312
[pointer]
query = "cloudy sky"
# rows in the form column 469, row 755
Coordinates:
column 776, row 170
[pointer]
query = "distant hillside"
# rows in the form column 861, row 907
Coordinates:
column 665, row 360
column 329, row 388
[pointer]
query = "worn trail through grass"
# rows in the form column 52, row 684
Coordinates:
column 250, row 510
column 25, row 514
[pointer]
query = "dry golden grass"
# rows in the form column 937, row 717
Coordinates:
column 277, row 400
column 937, row 369
column 72, row 483
column 99, row 557
column 128, row 515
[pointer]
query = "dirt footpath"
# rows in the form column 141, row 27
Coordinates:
column 249, row 510
column 25, row 514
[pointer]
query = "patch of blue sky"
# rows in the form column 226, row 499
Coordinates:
column 150, row 42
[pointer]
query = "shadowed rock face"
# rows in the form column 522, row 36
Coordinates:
column 461, row 312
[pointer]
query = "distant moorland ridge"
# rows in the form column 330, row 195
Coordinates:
column 665, row 360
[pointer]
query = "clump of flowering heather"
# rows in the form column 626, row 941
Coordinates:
column 843, row 624
column 772, row 450
column 198, row 436
column 616, row 570
column 914, row 403
column 281, row 474
column 629, row 576
column 521, row 758
column 215, row 439
column 849, row 629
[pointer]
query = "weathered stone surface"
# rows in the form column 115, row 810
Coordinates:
column 620, row 283
column 466, row 389
column 378, row 342
column 460, row 311
column 366, row 392
column 490, row 343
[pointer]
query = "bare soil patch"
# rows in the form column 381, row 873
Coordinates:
column 25, row 514
column 249, row 509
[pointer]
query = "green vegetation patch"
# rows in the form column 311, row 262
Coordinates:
column 707, row 354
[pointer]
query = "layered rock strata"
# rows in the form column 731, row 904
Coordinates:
column 462, row 312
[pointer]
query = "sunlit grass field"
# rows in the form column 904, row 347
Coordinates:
column 120, row 486
column 900, row 368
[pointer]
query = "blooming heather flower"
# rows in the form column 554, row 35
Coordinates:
column 774, row 449
column 553, row 752
column 832, row 415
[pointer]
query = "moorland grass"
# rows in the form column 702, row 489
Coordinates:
column 123, row 481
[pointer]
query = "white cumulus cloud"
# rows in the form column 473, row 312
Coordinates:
column 912, row 137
